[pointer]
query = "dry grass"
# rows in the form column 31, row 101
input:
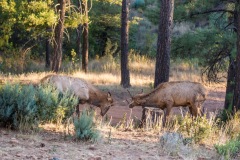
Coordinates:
column 141, row 73
column 127, row 140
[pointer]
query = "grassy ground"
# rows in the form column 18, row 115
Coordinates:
column 122, row 141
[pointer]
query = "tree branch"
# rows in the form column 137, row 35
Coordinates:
column 212, row 11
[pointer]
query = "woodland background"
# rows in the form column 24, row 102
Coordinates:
column 131, row 44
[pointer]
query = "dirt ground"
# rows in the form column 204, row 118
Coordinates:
column 48, row 143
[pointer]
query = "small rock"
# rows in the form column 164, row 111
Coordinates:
column 4, row 154
column 92, row 148
column 14, row 141
column 33, row 157
column 18, row 155
column 42, row 145
column 4, row 133
column 95, row 158
column 54, row 158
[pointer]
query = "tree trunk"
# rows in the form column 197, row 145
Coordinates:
column 58, row 36
column 236, row 99
column 79, row 34
column 85, row 38
column 125, row 76
column 78, row 41
column 47, row 63
column 162, row 67
column 230, row 85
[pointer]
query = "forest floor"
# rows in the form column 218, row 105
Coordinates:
column 50, row 142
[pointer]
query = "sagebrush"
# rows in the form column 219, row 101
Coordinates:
column 85, row 128
column 25, row 106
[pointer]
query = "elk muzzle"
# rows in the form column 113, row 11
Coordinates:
column 131, row 105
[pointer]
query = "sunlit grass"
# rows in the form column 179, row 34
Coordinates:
column 142, row 70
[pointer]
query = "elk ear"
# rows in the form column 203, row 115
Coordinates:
column 109, row 98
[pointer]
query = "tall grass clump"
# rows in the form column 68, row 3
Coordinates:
column 194, row 129
column 25, row 106
column 229, row 149
column 231, row 130
column 109, row 62
column 85, row 127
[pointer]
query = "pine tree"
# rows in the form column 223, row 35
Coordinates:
column 125, row 76
column 162, row 67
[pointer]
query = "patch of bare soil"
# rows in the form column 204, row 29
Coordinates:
column 114, row 145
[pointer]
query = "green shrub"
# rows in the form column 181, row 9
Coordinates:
column 224, row 116
column 15, row 61
column 230, row 149
column 85, row 127
column 24, row 107
column 18, row 106
column 232, row 126
column 197, row 129
column 53, row 105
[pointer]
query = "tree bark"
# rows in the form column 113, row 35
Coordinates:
column 236, row 99
column 230, row 86
column 162, row 67
column 58, row 36
column 47, row 63
column 79, row 34
column 85, row 45
column 125, row 76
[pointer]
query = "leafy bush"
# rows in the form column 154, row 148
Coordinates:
column 85, row 127
column 198, row 128
column 232, row 126
column 229, row 149
column 15, row 61
column 18, row 106
column 24, row 107
column 53, row 105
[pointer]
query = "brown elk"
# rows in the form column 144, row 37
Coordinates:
column 85, row 91
column 173, row 94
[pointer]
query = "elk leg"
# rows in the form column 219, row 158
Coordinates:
column 78, row 107
column 190, row 110
column 167, row 113
column 194, row 109
column 200, row 108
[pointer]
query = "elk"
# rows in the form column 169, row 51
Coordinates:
column 173, row 94
column 85, row 91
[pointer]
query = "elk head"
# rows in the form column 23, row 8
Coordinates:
column 137, row 100
column 106, row 104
